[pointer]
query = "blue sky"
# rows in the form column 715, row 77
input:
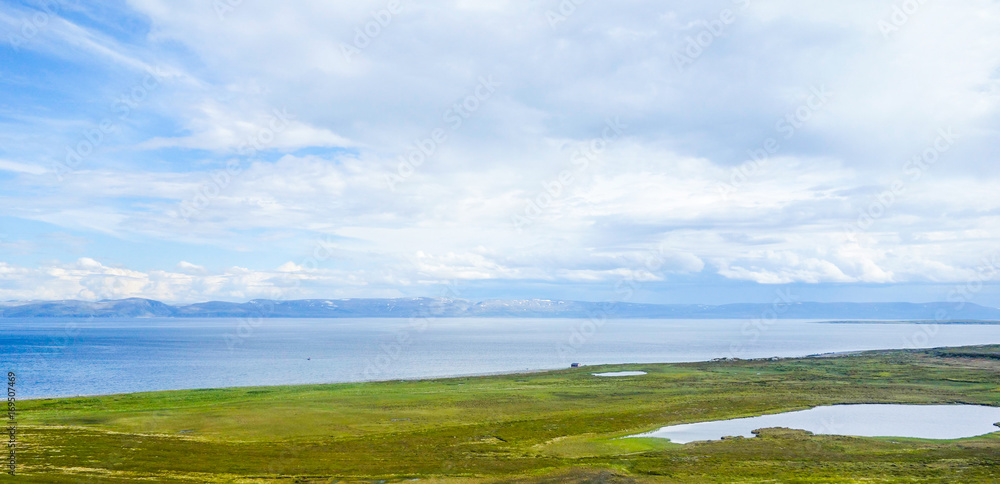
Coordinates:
column 649, row 151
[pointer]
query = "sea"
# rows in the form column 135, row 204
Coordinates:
column 73, row 357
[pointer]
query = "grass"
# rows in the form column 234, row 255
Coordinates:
column 542, row 427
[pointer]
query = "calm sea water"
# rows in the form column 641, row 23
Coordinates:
column 61, row 357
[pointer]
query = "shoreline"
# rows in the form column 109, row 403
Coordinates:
column 418, row 378
column 835, row 354
column 545, row 425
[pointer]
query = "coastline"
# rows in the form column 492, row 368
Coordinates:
column 354, row 382
column 522, row 426
column 453, row 376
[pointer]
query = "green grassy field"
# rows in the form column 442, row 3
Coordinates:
column 560, row 426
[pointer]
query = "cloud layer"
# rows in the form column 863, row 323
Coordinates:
column 516, row 145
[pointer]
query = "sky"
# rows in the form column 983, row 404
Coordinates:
column 642, row 151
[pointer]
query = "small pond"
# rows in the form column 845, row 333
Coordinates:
column 620, row 373
column 917, row 421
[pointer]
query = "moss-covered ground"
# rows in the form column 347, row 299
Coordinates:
column 560, row 426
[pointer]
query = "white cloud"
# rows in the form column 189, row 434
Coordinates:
column 190, row 269
column 671, row 185
column 215, row 126
column 21, row 168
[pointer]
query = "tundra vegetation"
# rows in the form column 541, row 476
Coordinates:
column 558, row 426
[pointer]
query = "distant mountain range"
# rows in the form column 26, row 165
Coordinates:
column 533, row 308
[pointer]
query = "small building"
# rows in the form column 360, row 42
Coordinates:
column 574, row 365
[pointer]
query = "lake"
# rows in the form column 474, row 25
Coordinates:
column 916, row 421
column 61, row 357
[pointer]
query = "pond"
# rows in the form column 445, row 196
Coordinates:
column 620, row 373
column 917, row 421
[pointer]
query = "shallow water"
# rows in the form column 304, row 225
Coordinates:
column 917, row 421
column 620, row 373
column 59, row 357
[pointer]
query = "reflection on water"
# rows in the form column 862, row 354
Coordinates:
column 917, row 421
column 81, row 357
